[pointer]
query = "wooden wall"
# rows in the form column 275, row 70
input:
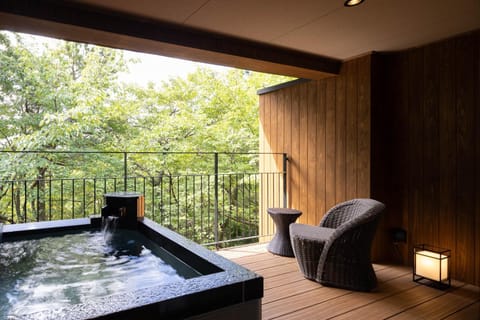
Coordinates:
column 426, row 149
column 403, row 128
column 324, row 127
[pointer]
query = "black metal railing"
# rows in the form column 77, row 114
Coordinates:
column 214, row 206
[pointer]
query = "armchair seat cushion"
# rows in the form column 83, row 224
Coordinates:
column 307, row 243
column 309, row 232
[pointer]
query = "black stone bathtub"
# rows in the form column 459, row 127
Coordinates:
column 224, row 290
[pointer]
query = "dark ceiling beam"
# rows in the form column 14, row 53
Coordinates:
column 77, row 22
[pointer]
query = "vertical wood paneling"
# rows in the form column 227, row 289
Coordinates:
column 287, row 127
column 262, row 125
column 465, row 109
column 340, row 138
column 401, row 166
column 271, row 165
column 321, row 151
column 476, row 67
column 330, row 144
column 429, row 132
column 274, row 126
column 415, row 130
column 264, row 130
column 434, row 126
column 351, row 96
column 303, row 150
column 381, row 113
column 431, row 145
column 295, row 150
column 326, row 133
column 394, row 152
column 364, row 127
column 447, row 154
column 280, row 141
column 281, row 136
column 275, row 166
column 312, row 145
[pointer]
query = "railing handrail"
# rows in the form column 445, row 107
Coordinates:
column 173, row 175
column 140, row 152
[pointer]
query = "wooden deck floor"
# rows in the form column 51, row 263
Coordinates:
column 287, row 295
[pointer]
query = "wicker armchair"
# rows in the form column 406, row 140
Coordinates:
column 337, row 252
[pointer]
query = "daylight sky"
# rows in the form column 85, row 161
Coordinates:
column 156, row 68
column 150, row 68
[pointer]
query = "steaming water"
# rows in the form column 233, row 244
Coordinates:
column 56, row 271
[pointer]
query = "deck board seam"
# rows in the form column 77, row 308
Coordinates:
column 292, row 295
column 463, row 308
column 420, row 303
column 262, row 261
column 286, row 283
column 268, row 267
column 277, row 274
column 396, row 277
column 302, row 279
column 367, row 304
column 383, row 298
column 312, row 305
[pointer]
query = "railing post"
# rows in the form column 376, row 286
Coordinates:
column 125, row 171
column 215, row 200
column 25, row 201
column 13, row 202
column 285, row 198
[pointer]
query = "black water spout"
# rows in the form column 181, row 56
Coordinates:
column 127, row 206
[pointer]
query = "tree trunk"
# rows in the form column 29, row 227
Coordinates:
column 18, row 208
column 41, row 195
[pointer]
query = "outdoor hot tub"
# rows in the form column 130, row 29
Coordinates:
column 210, row 286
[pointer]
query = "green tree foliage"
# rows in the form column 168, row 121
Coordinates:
column 67, row 97
column 206, row 112
column 53, row 99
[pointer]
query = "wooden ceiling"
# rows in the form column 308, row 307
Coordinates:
column 303, row 38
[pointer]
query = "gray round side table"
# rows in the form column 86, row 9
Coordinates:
column 282, row 217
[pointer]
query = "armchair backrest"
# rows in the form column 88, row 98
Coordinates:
column 347, row 211
column 355, row 223
column 345, row 258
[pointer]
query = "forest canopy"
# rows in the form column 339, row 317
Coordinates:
column 66, row 96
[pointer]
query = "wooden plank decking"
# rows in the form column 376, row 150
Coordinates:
column 287, row 295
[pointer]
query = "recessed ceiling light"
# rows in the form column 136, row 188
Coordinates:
column 352, row 3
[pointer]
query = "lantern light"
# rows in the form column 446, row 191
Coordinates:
column 432, row 264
